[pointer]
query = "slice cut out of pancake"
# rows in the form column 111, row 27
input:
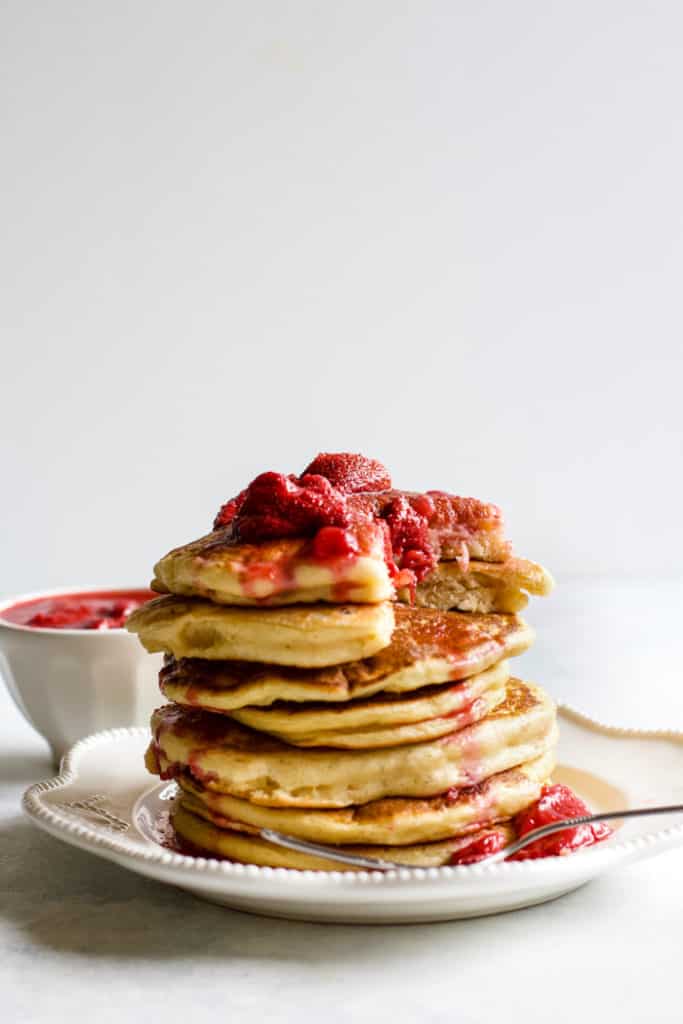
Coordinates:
column 291, row 570
column 483, row 586
column 391, row 821
column 203, row 838
column 386, row 720
column 309, row 636
column 426, row 647
column 230, row 758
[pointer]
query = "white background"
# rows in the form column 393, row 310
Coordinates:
column 446, row 234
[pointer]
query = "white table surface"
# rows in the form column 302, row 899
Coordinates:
column 81, row 937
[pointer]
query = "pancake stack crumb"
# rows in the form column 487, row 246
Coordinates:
column 337, row 668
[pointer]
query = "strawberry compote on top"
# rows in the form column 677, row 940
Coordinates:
column 275, row 505
column 338, row 493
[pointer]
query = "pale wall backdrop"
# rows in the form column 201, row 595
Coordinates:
column 447, row 234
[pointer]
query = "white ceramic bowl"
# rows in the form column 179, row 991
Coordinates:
column 68, row 683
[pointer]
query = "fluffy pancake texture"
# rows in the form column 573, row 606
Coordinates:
column 392, row 821
column 309, row 636
column 483, row 586
column 285, row 571
column 386, row 720
column 230, row 758
column 205, row 838
column 427, row 647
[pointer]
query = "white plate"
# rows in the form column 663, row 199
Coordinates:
column 103, row 802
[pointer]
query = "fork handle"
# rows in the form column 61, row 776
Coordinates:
column 586, row 819
column 336, row 853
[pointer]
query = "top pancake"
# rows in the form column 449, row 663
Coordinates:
column 275, row 572
column 290, row 570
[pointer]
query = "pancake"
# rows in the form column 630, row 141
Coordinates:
column 386, row 720
column 391, row 822
column 283, row 571
column 427, row 647
column 483, row 586
column 230, row 758
column 205, row 838
column 302, row 635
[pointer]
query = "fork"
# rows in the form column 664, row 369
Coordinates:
column 338, row 854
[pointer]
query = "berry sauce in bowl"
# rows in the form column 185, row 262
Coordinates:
column 98, row 610
column 70, row 666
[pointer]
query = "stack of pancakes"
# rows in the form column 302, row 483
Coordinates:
column 307, row 695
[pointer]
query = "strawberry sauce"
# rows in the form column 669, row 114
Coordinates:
column 107, row 609
column 556, row 803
